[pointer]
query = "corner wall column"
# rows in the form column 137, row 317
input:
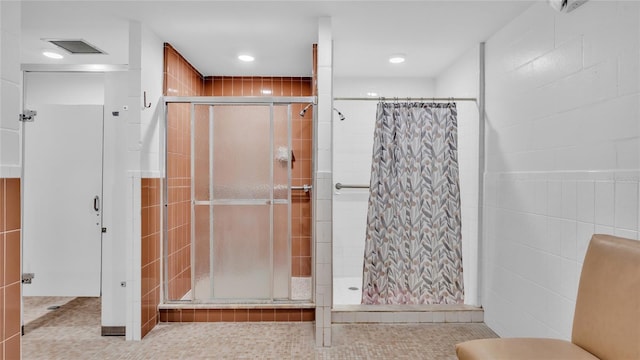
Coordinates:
column 133, row 246
column 323, row 180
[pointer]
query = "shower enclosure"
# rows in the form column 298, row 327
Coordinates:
column 228, row 200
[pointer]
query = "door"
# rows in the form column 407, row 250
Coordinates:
column 241, row 188
column 62, row 200
column 241, row 202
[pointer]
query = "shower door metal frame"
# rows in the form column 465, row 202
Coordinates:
column 270, row 201
column 212, row 101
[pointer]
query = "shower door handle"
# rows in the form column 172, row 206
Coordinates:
column 96, row 203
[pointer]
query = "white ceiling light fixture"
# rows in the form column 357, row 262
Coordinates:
column 397, row 59
column 265, row 92
column 245, row 58
column 52, row 55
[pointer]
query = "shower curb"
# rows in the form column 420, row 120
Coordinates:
column 406, row 314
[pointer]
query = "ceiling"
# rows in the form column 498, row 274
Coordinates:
column 210, row 34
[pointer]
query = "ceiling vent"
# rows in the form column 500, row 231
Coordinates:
column 76, row 46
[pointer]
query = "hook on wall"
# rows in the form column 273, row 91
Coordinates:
column 144, row 101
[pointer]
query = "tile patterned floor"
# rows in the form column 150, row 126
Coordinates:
column 74, row 333
column 37, row 306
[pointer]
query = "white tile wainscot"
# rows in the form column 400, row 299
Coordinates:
column 533, row 255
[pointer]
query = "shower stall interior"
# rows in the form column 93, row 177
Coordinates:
column 228, row 200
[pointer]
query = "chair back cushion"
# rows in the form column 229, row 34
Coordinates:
column 607, row 315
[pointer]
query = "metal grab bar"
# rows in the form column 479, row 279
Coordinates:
column 306, row 188
column 346, row 186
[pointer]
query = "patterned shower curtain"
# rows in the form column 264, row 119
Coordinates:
column 413, row 251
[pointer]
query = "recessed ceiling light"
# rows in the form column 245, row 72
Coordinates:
column 246, row 58
column 52, row 55
column 396, row 59
column 265, row 92
column 372, row 94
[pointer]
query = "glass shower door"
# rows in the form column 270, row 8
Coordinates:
column 241, row 182
column 242, row 201
column 282, row 165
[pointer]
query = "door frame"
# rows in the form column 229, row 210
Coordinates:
column 71, row 68
column 219, row 100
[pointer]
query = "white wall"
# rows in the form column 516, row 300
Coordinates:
column 143, row 128
column 10, row 90
column 114, row 185
column 461, row 79
column 563, row 103
column 352, row 151
column 63, row 88
column 152, row 120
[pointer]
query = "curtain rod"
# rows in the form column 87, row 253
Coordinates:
column 406, row 99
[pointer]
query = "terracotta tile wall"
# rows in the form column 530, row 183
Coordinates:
column 180, row 79
column 236, row 315
column 150, row 226
column 10, row 268
column 302, row 149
